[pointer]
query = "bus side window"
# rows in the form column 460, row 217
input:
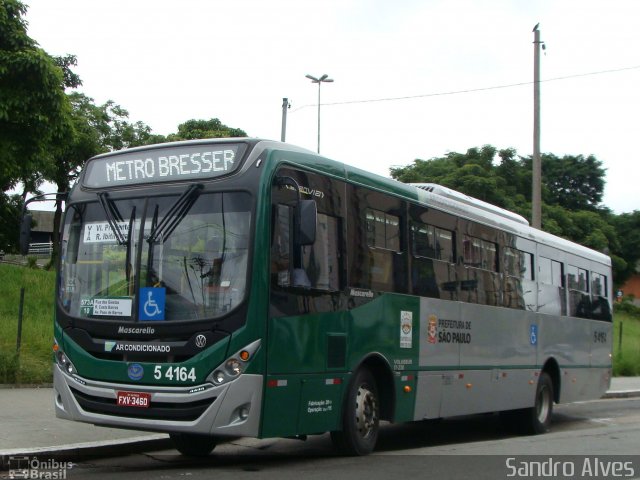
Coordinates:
column 551, row 287
column 316, row 266
column 600, row 307
column 579, row 299
column 383, row 230
column 518, row 272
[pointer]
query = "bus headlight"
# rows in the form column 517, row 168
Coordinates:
column 63, row 361
column 235, row 365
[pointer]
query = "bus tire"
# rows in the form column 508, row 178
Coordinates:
column 360, row 416
column 539, row 416
column 193, row 445
column 533, row 420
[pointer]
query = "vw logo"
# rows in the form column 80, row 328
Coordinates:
column 201, row 341
column 135, row 371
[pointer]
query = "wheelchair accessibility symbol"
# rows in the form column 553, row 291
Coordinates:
column 533, row 334
column 151, row 303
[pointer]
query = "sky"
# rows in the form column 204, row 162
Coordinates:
column 412, row 78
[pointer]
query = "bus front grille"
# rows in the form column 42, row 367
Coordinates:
column 185, row 412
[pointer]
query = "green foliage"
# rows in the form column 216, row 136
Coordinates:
column 32, row 262
column 70, row 79
column 31, row 98
column 213, row 128
column 628, row 308
column 574, row 182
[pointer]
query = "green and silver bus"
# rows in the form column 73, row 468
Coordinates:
column 243, row 287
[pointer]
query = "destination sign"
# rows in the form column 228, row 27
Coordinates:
column 164, row 164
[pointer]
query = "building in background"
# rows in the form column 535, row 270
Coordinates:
column 632, row 286
column 42, row 231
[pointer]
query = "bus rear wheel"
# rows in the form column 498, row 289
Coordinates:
column 193, row 445
column 360, row 416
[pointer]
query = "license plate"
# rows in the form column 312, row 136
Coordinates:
column 134, row 399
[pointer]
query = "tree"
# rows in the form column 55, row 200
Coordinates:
column 574, row 182
column 31, row 98
column 213, row 128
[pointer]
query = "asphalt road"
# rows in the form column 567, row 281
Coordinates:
column 597, row 439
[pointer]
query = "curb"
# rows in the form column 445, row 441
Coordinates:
column 622, row 394
column 90, row 449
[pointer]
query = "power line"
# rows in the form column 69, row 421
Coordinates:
column 470, row 90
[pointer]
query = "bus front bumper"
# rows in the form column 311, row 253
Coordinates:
column 232, row 409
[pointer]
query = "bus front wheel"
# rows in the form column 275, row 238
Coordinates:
column 192, row 445
column 360, row 416
column 537, row 419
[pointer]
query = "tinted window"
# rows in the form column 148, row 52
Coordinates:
column 432, row 242
column 518, row 263
column 383, row 230
column 599, row 285
column 480, row 253
column 445, row 241
column 577, row 278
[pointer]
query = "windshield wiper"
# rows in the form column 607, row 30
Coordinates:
column 113, row 217
column 128, row 265
column 175, row 214
column 150, row 272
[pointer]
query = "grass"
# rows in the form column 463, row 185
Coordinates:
column 626, row 350
column 34, row 363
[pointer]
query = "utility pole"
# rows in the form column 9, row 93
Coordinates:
column 536, row 178
column 285, row 106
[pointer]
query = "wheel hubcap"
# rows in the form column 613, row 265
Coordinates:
column 366, row 411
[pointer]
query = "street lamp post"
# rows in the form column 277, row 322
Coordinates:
column 324, row 78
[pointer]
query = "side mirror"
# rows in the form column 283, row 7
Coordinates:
column 25, row 233
column 307, row 221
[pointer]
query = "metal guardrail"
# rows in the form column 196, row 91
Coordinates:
column 41, row 249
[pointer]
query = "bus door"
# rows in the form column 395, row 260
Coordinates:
column 306, row 352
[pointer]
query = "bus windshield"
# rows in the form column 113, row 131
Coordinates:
column 189, row 261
